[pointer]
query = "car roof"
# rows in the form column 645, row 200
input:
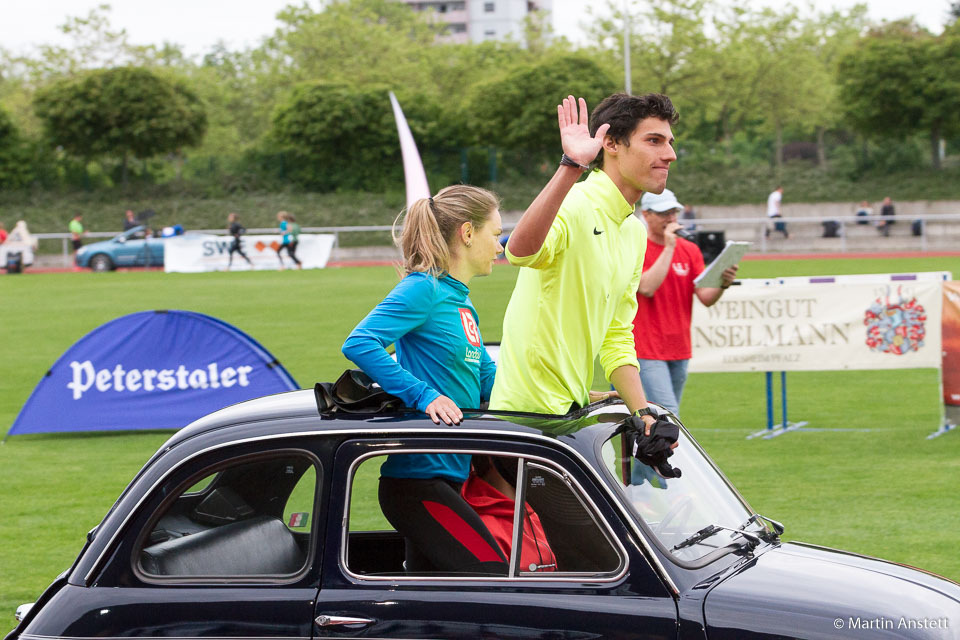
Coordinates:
column 273, row 414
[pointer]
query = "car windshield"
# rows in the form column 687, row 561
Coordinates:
column 677, row 508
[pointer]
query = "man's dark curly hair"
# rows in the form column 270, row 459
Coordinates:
column 624, row 112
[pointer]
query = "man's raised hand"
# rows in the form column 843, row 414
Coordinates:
column 575, row 136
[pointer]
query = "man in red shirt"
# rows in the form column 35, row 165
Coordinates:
column 661, row 329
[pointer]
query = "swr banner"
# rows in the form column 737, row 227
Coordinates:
column 820, row 327
column 194, row 253
column 951, row 343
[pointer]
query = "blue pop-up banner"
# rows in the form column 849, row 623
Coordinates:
column 151, row 370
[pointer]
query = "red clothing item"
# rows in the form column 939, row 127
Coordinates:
column 3, row 236
column 661, row 330
column 496, row 511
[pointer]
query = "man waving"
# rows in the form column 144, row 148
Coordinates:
column 581, row 251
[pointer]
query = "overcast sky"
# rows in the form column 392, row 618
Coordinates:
column 197, row 24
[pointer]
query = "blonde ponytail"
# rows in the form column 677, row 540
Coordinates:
column 430, row 226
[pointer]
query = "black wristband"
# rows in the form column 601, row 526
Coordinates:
column 646, row 411
column 570, row 162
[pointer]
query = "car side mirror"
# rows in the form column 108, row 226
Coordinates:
column 122, row 239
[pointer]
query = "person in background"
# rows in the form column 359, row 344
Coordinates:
column 235, row 229
column 3, row 233
column 129, row 220
column 20, row 239
column 774, row 200
column 76, row 232
column 863, row 211
column 441, row 367
column 688, row 216
column 661, row 329
column 291, row 234
column 887, row 211
column 20, row 234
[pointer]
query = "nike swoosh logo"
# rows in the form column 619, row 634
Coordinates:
column 595, row 232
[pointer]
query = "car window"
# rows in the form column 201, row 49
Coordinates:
column 676, row 508
column 298, row 511
column 251, row 517
column 511, row 503
column 201, row 486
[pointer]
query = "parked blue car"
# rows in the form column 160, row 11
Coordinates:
column 262, row 520
column 132, row 248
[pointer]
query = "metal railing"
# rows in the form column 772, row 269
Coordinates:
column 901, row 223
column 736, row 227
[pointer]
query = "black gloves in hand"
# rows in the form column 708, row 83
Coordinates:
column 653, row 450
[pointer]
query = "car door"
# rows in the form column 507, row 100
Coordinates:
column 600, row 585
column 225, row 546
column 154, row 251
column 129, row 249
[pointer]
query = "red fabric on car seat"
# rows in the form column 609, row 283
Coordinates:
column 496, row 511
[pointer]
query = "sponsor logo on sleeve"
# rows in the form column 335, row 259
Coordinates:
column 470, row 329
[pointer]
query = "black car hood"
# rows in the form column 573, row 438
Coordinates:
column 804, row 591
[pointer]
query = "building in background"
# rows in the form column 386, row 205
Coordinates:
column 482, row 20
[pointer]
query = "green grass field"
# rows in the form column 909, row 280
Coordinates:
column 888, row 492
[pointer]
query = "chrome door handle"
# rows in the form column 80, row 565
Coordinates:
column 331, row 621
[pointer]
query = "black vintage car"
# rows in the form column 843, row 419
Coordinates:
column 261, row 521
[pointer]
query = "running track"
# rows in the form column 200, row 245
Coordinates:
column 749, row 256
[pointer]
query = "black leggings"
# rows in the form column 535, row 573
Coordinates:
column 291, row 251
column 235, row 248
column 441, row 531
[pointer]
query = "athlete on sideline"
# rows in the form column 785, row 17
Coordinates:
column 582, row 251
column 441, row 367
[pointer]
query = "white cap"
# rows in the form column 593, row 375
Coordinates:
column 659, row 202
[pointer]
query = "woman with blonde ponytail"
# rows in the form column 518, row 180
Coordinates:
column 441, row 366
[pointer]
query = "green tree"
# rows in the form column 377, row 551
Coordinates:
column 772, row 73
column 358, row 43
column 93, row 44
column 670, row 51
column 731, row 69
column 518, row 110
column 355, row 42
column 791, row 82
column 340, row 137
column 941, row 91
column 15, row 166
column 239, row 98
column 832, row 35
column 123, row 112
column 901, row 80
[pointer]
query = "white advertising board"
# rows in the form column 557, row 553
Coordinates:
column 195, row 253
column 820, row 327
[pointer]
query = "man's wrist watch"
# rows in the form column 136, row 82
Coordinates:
column 646, row 411
column 570, row 162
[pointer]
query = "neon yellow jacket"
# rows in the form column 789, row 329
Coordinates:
column 574, row 299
